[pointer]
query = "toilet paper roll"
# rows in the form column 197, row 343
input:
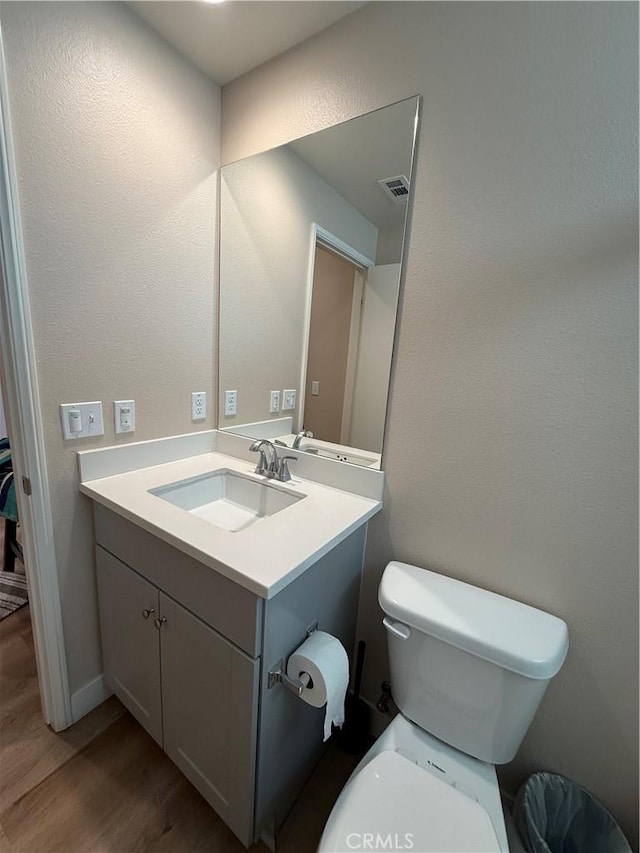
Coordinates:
column 324, row 658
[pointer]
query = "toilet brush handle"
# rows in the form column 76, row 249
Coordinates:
column 359, row 667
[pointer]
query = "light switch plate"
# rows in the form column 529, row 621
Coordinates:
column 288, row 400
column 230, row 403
column 274, row 402
column 91, row 422
column 124, row 415
column 315, row 388
column 198, row 405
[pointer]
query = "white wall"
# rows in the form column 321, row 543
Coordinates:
column 117, row 140
column 268, row 205
column 375, row 349
column 390, row 245
column 511, row 453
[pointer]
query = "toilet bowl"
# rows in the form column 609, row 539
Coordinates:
column 411, row 791
column 468, row 671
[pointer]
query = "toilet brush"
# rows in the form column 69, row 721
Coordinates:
column 353, row 737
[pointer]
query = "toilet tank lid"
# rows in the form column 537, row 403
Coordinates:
column 490, row 626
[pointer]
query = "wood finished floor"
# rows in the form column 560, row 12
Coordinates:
column 104, row 786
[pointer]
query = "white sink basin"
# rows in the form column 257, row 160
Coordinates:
column 228, row 499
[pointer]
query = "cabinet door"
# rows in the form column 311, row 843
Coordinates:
column 210, row 704
column 130, row 640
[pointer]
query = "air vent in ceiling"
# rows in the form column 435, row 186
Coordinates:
column 396, row 188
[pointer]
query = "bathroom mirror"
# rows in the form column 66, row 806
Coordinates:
column 311, row 244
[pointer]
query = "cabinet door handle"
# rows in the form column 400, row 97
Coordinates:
column 147, row 612
column 159, row 622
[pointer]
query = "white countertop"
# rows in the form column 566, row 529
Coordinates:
column 265, row 557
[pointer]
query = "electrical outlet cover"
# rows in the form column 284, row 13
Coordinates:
column 274, row 402
column 124, row 415
column 230, row 403
column 198, row 405
column 288, row 400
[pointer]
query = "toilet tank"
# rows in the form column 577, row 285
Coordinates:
column 467, row 665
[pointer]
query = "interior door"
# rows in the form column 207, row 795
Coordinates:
column 210, row 705
column 130, row 640
column 330, row 333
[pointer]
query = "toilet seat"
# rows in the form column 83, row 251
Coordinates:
column 392, row 803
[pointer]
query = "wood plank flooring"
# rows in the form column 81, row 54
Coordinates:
column 104, row 786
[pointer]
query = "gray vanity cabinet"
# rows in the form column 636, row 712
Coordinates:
column 128, row 607
column 198, row 677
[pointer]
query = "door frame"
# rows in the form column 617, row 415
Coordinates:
column 22, row 405
column 320, row 236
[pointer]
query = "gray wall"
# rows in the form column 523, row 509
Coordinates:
column 511, row 446
column 117, row 140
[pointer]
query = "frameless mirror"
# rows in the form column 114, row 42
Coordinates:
column 311, row 242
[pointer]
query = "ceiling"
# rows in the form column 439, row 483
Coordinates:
column 228, row 39
column 354, row 155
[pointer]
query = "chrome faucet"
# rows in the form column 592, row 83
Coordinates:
column 265, row 466
column 275, row 467
column 306, row 433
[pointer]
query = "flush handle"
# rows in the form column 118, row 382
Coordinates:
column 397, row 628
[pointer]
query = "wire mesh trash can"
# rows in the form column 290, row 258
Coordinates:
column 556, row 815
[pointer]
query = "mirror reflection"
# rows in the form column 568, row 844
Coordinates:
column 310, row 258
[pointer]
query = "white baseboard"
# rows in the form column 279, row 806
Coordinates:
column 89, row 697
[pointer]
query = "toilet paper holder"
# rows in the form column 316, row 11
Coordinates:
column 278, row 675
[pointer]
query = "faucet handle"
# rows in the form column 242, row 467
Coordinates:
column 284, row 475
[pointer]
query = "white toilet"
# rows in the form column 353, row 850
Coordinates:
column 468, row 671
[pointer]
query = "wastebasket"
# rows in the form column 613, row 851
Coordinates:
column 556, row 815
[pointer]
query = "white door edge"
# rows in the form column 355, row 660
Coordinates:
column 27, row 443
